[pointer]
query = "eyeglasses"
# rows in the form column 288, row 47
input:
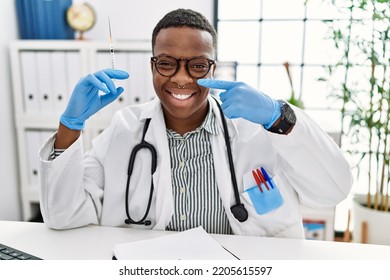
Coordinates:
column 196, row 67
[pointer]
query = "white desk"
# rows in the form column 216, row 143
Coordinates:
column 95, row 242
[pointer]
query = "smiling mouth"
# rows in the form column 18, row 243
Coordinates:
column 181, row 96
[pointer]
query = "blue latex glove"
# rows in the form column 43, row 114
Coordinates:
column 239, row 100
column 86, row 100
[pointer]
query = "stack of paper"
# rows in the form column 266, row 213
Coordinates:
column 193, row 244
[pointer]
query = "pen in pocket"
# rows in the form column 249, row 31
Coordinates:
column 263, row 194
column 259, row 178
column 267, row 177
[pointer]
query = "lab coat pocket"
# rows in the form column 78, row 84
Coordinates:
column 261, row 191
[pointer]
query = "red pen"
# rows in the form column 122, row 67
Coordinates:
column 262, row 179
column 257, row 179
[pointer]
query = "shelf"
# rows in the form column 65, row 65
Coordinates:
column 44, row 73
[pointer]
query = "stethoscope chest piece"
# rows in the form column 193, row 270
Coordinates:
column 239, row 212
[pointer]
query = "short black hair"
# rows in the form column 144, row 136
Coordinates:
column 184, row 17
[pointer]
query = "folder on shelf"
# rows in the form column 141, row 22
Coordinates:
column 138, row 68
column 59, row 82
column 33, row 143
column 73, row 69
column 30, row 82
column 45, row 91
column 103, row 60
column 149, row 88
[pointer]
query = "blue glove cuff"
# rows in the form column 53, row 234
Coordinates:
column 72, row 123
column 277, row 113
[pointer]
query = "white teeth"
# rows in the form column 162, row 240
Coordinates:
column 181, row 96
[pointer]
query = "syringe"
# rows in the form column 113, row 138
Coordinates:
column 111, row 47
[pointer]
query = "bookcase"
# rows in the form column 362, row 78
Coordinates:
column 44, row 73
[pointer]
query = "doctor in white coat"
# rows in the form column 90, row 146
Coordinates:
column 273, row 137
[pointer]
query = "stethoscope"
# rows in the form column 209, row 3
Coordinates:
column 238, row 210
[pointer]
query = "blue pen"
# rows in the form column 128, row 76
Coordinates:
column 266, row 177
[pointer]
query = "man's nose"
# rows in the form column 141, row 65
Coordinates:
column 182, row 77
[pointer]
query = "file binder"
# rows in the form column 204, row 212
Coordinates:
column 33, row 143
column 73, row 69
column 30, row 83
column 149, row 88
column 137, row 82
column 45, row 91
column 59, row 78
column 103, row 60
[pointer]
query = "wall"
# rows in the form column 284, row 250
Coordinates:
column 9, row 196
column 135, row 19
column 130, row 20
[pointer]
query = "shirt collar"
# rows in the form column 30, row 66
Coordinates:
column 209, row 123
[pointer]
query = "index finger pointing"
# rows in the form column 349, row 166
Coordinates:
column 218, row 84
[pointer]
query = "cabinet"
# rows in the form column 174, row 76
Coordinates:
column 44, row 73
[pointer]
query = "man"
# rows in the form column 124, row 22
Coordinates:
column 192, row 180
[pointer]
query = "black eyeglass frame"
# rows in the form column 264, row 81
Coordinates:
column 154, row 59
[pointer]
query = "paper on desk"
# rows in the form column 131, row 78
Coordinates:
column 193, row 244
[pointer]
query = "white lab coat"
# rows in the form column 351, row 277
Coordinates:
column 77, row 189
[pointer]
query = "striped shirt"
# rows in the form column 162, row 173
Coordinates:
column 55, row 153
column 195, row 194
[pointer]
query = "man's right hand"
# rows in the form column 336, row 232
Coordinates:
column 86, row 100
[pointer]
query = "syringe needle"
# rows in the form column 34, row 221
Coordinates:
column 111, row 47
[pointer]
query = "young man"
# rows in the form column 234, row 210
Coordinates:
column 183, row 178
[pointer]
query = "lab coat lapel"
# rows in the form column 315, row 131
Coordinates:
column 162, row 177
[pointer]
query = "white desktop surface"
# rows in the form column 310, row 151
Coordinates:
column 96, row 242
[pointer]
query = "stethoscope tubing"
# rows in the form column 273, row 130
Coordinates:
column 238, row 210
column 142, row 145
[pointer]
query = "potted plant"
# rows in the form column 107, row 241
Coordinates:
column 364, row 46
